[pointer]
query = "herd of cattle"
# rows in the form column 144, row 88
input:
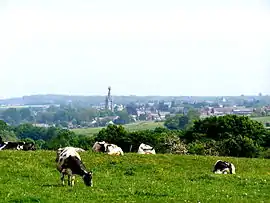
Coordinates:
column 70, row 163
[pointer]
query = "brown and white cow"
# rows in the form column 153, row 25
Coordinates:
column 69, row 163
column 146, row 149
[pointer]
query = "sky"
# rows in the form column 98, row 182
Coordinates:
column 142, row 47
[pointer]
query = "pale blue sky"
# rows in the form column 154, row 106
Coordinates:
column 142, row 47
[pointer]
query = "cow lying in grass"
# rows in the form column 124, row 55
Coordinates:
column 223, row 167
column 146, row 149
column 17, row 146
column 69, row 163
column 110, row 149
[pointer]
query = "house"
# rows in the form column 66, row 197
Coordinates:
column 221, row 111
column 243, row 111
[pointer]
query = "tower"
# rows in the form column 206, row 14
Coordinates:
column 108, row 100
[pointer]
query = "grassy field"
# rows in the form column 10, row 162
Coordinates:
column 145, row 125
column 32, row 177
column 262, row 119
column 131, row 127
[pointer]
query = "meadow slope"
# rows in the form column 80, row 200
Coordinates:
column 30, row 176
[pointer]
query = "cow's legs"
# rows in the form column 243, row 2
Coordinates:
column 62, row 178
column 72, row 180
column 69, row 180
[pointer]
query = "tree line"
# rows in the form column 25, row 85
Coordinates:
column 229, row 135
column 63, row 116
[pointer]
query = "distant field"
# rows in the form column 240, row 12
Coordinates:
column 31, row 176
column 145, row 125
column 131, row 127
column 262, row 119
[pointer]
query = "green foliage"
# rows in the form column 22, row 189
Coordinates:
column 40, row 144
column 265, row 154
column 176, row 122
column 29, row 131
column 28, row 140
column 124, row 117
column 163, row 140
column 225, row 135
column 8, row 135
column 233, row 136
column 182, row 122
column 240, row 146
column 3, row 125
column 196, row 148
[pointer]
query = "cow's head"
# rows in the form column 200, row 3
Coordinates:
column 87, row 178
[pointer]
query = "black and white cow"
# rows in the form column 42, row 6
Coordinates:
column 69, row 163
column 60, row 150
column 29, row 146
column 17, row 146
column 146, row 149
column 99, row 147
column 223, row 167
column 105, row 147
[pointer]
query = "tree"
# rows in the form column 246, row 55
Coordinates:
column 217, row 127
column 234, row 135
column 3, row 125
column 12, row 116
column 123, row 117
column 62, row 139
column 29, row 131
column 177, row 122
column 7, row 135
column 26, row 114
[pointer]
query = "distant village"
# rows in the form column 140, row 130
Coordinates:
column 154, row 110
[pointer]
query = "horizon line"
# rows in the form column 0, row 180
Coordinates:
column 131, row 95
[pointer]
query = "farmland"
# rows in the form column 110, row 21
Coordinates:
column 145, row 125
column 130, row 127
column 32, row 177
column 264, row 120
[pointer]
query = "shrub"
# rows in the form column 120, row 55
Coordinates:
column 196, row 148
column 265, row 154
column 172, row 144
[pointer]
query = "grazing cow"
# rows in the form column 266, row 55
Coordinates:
column 69, row 163
column 223, row 167
column 13, row 145
column 146, row 149
column 60, row 150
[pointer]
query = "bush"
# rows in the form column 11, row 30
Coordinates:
column 172, row 144
column 239, row 146
column 265, row 154
column 196, row 148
